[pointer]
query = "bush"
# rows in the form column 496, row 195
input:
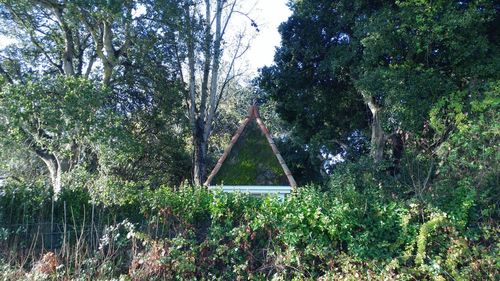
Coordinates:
column 345, row 232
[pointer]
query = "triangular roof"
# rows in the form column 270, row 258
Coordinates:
column 253, row 113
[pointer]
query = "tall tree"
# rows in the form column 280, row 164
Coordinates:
column 415, row 53
column 92, row 40
column 384, row 63
column 201, row 48
column 312, row 81
column 52, row 43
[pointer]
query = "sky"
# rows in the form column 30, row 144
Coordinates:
column 268, row 14
column 4, row 41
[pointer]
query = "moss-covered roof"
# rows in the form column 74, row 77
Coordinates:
column 251, row 161
column 251, row 158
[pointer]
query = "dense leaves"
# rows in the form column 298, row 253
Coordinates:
column 343, row 233
column 385, row 111
column 54, row 112
column 398, row 58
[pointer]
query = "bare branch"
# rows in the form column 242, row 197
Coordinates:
column 89, row 66
column 228, row 18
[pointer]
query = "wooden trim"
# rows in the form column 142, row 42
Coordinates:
column 253, row 113
column 276, row 152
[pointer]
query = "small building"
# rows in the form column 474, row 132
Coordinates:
column 251, row 163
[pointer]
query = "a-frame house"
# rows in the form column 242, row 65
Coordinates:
column 251, row 163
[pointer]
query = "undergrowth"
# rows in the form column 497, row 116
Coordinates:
column 343, row 233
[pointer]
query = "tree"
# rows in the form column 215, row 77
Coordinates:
column 48, row 37
column 311, row 80
column 415, row 53
column 108, row 24
column 51, row 40
column 95, row 38
column 395, row 59
column 199, row 49
column 67, row 37
column 57, row 119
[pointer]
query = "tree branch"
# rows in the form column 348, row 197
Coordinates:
column 31, row 31
column 6, row 75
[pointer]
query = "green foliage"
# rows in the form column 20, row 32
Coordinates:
column 312, row 69
column 425, row 231
column 431, row 213
column 19, row 203
column 344, row 232
column 148, row 141
column 468, row 170
column 66, row 122
column 190, row 204
column 65, row 109
column 402, row 56
column 415, row 53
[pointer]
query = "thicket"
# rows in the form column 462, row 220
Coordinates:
column 434, row 218
column 359, row 225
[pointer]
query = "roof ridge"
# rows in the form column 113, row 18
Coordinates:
column 253, row 113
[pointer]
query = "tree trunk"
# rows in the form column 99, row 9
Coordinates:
column 207, row 46
column 398, row 146
column 55, row 166
column 378, row 137
column 200, row 165
column 103, row 36
column 108, row 72
column 200, row 154
column 69, row 47
column 202, row 105
column 55, row 170
column 215, row 70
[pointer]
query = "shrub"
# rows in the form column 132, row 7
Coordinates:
column 345, row 232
